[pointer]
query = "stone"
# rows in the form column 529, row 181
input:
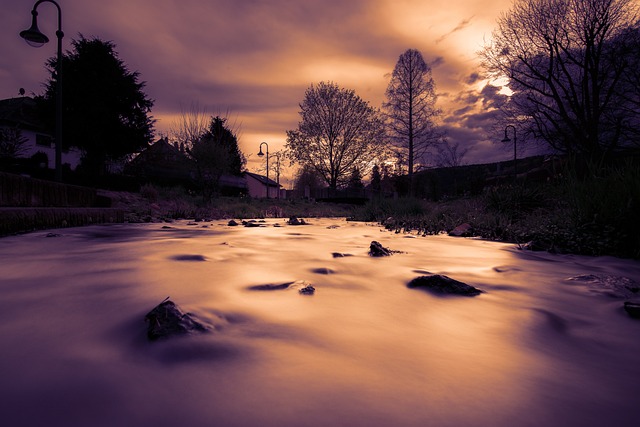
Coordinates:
column 303, row 287
column 388, row 223
column 307, row 290
column 632, row 309
column 295, row 221
column 232, row 223
column 463, row 230
column 322, row 270
column 167, row 320
column 441, row 284
column 251, row 223
column 270, row 286
column 189, row 257
column 339, row 255
column 377, row 250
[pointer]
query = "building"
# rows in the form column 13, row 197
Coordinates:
column 260, row 187
column 19, row 120
column 161, row 163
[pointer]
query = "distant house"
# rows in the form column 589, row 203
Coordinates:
column 260, row 187
column 164, row 164
column 161, row 163
column 19, row 114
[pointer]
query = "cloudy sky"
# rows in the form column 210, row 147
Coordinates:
column 255, row 58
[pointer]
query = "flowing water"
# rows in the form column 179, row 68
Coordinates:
column 534, row 349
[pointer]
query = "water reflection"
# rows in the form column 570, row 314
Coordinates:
column 364, row 350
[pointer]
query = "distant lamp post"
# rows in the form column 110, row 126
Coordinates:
column 35, row 38
column 515, row 140
column 262, row 154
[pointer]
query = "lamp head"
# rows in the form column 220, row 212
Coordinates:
column 506, row 139
column 260, row 153
column 33, row 36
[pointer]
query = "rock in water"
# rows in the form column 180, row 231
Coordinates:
column 440, row 284
column 167, row 320
column 270, row 287
column 632, row 309
column 376, row 249
column 295, row 221
column 463, row 230
column 307, row 290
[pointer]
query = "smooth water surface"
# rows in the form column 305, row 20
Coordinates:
column 535, row 349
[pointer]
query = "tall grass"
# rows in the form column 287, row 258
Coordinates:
column 591, row 214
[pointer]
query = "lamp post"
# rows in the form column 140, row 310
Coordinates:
column 515, row 139
column 262, row 154
column 35, row 38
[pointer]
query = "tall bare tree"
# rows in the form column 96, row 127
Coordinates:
column 411, row 109
column 338, row 131
column 187, row 129
column 566, row 64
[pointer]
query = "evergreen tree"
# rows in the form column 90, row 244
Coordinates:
column 105, row 111
column 216, row 153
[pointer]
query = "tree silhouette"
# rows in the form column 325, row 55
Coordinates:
column 216, row 153
column 566, row 64
column 307, row 177
column 12, row 143
column 411, row 109
column 105, row 111
column 338, row 131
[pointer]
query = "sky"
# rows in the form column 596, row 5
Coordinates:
column 253, row 60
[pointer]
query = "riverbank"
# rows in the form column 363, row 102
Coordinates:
column 595, row 216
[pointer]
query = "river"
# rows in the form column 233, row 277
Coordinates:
column 534, row 349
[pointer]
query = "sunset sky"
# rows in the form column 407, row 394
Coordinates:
column 255, row 59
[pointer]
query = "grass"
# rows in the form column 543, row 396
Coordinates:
column 596, row 214
column 154, row 204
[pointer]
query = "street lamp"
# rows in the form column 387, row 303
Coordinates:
column 262, row 154
column 35, row 38
column 515, row 139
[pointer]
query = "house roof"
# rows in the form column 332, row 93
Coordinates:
column 262, row 179
column 160, row 153
column 21, row 112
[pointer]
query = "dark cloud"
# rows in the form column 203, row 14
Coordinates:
column 256, row 58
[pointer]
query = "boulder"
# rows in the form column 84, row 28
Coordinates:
column 441, row 284
column 167, row 320
column 251, row 223
column 389, row 223
column 339, row 255
column 632, row 309
column 232, row 223
column 270, row 286
column 303, row 287
column 307, row 290
column 377, row 250
column 463, row 230
column 295, row 221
